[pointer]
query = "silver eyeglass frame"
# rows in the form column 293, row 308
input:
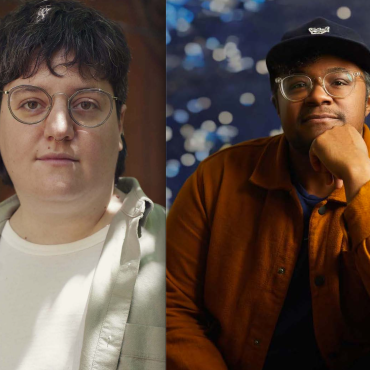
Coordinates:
column 280, row 81
column 49, row 108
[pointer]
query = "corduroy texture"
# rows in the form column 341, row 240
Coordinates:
column 236, row 222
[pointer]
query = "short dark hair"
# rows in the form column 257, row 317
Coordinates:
column 32, row 34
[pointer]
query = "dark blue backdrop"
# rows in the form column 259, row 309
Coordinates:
column 218, row 90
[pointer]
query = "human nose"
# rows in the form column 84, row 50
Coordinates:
column 318, row 94
column 58, row 124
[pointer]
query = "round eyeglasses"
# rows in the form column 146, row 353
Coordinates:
column 298, row 87
column 87, row 107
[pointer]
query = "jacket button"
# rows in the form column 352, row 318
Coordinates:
column 281, row 270
column 256, row 342
column 322, row 210
column 319, row 280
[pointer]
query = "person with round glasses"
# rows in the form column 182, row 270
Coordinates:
column 268, row 242
column 82, row 249
column 87, row 107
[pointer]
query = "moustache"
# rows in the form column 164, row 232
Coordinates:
column 311, row 111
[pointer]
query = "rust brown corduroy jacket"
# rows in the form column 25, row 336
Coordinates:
column 233, row 237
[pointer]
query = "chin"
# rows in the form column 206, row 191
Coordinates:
column 302, row 142
column 53, row 189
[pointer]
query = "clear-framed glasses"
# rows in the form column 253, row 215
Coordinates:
column 87, row 107
column 298, row 87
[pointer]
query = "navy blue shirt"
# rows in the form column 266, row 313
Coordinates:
column 293, row 345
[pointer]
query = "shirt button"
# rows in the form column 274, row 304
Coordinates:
column 256, row 342
column 281, row 270
column 322, row 210
column 319, row 280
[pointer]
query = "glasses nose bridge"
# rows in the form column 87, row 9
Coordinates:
column 52, row 102
column 58, row 93
column 321, row 81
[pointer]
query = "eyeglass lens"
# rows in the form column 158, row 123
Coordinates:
column 338, row 84
column 31, row 105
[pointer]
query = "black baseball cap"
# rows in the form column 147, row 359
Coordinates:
column 320, row 34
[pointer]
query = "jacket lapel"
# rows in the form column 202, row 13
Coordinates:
column 114, row 282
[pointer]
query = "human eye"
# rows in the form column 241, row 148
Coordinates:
column 340, row 79
column 85, row 104
column 296, row 83
column 339, row 82
column 29, row 100
column 32, row 105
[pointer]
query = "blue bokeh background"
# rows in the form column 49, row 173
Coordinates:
column 218, row 91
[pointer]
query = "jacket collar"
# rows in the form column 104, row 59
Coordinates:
column 272, row 169
column 137, row 203
column 114, row 281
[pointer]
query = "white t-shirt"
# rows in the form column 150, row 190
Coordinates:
column 44, row 291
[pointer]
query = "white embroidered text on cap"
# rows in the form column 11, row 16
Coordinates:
column 319, row 31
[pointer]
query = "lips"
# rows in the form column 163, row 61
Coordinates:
column 57, row 157
column 319, row 117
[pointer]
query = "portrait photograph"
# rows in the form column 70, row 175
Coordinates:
column 82, row 168
column 268, row 185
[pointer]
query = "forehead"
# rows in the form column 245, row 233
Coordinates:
column 70, row 80
column 325, row 64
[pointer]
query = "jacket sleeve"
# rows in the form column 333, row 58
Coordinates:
column 188, row 346
column 357, row 217
column 355, row 300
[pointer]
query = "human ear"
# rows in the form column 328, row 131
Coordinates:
column 367, row 107
column 120, row 125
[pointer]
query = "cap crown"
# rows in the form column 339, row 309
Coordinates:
column 323, row 36
column 330, row 29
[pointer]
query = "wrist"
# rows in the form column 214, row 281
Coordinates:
column 356, row 176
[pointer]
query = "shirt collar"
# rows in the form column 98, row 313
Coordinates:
column 137, row 202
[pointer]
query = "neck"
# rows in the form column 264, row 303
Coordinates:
column 313, row 182
column 49, row 223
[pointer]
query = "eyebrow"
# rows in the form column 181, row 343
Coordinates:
column 32, row 88
column 333, row 69
column 74, row 89
column 85, row 87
